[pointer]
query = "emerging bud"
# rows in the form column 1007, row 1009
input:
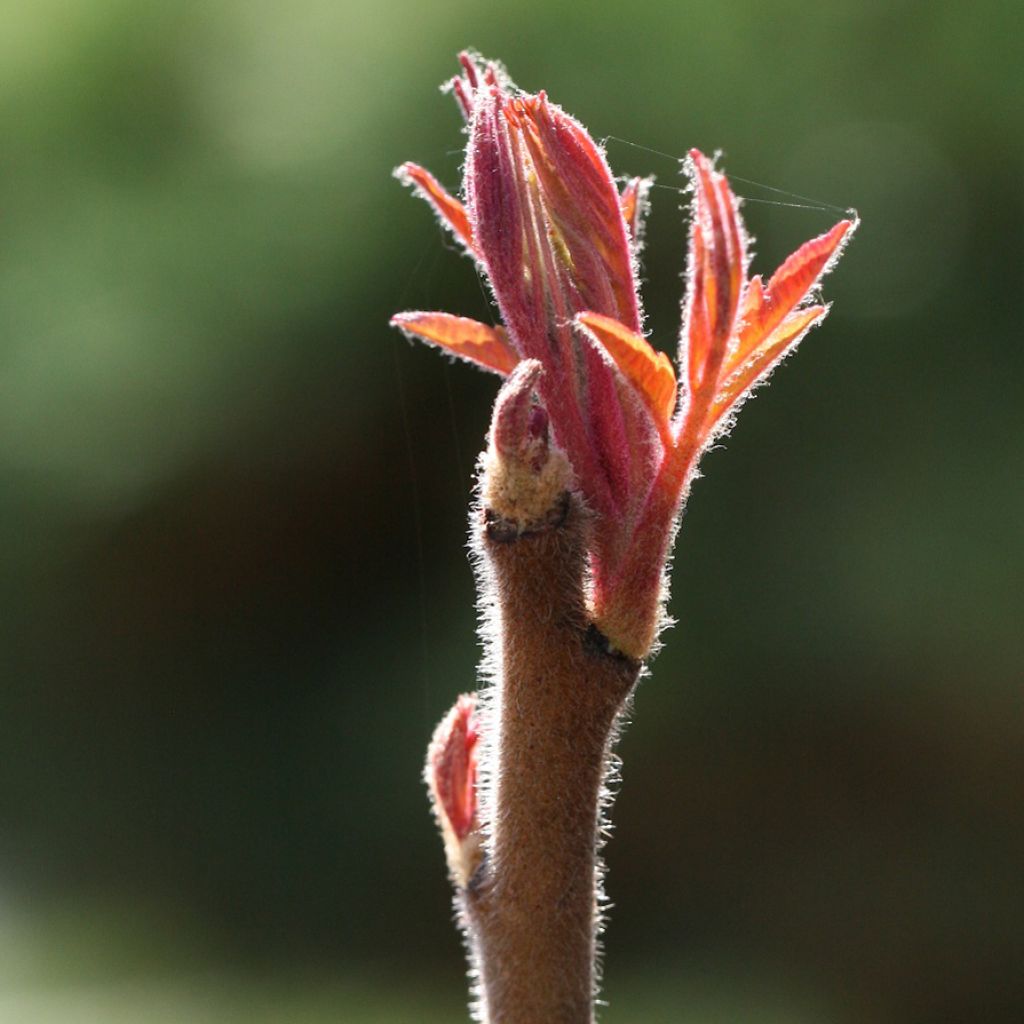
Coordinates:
column 451, row 775
column 524, row 477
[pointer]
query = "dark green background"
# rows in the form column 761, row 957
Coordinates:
column 234, row 593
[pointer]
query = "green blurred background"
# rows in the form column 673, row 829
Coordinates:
column 234, row 594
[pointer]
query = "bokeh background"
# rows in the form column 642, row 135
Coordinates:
column 234, row 593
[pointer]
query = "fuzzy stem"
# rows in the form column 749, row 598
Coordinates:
column 531, row 909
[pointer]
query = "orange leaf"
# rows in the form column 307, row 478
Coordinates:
column 760, row 362
column 447, row 207
column 468, row 339
column 648, row 370
column 790, row 284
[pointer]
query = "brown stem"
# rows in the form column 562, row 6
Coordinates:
column 531, row 909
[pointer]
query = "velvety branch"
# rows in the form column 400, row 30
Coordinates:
column 531, row 909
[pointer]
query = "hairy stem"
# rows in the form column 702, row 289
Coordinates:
column 531, row 909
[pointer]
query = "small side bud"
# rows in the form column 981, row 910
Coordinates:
column 451, row 776
column 525, row 477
